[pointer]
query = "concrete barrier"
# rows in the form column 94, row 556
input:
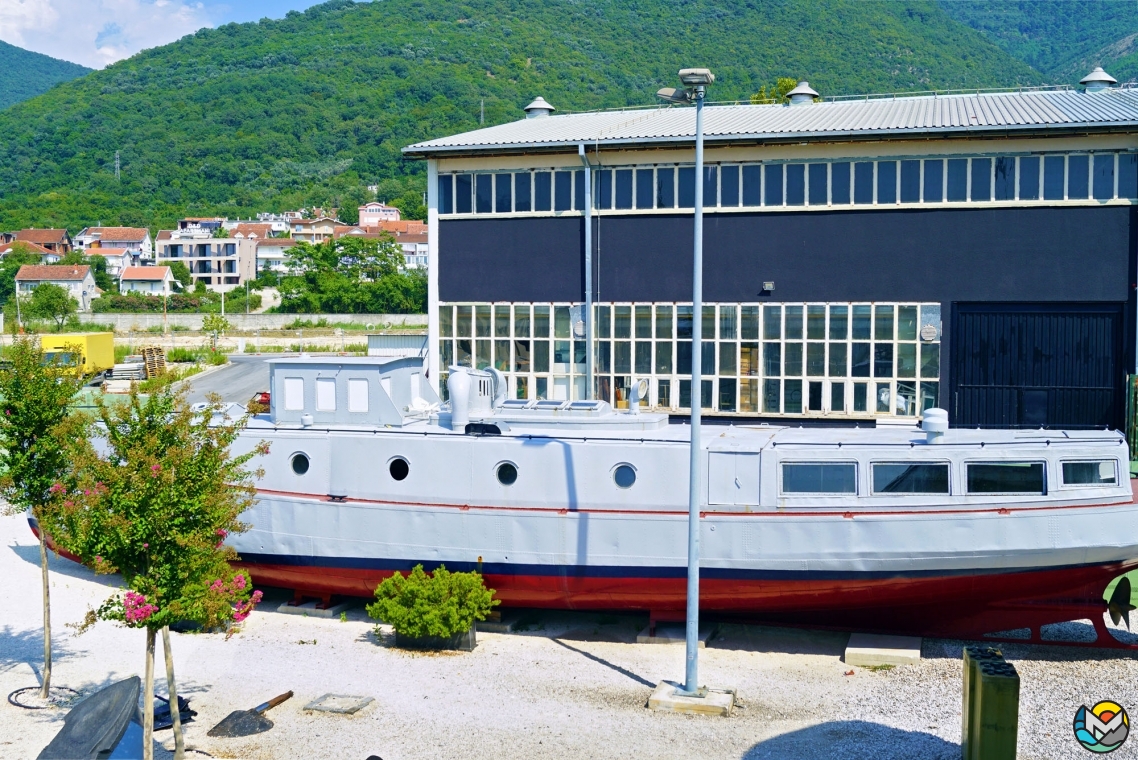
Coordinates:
column 250, row 322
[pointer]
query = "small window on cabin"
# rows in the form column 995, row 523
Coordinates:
column 325, row 394
column 357, row 395
column 1097, row 473
column 1006, row 477
column 910, row 477
column 820, row 477
column 293, row 394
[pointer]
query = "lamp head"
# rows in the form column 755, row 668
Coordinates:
column 696, row 77
column 673, row 95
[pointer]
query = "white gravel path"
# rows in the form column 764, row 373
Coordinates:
column 571, row 687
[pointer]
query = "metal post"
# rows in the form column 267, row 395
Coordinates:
column 691, row 676
column 590, row 391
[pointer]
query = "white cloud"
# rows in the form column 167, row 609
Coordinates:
column 96, row 33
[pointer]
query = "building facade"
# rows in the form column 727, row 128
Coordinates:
column 78, row 281
column 863, row 259
column 134, row 240
column 222, row 264
column 374, row 214
column 151, row 281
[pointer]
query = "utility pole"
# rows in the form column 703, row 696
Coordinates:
column 482, row 112
column 117, row 166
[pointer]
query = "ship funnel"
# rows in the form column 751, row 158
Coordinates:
column 501, row 387
column 458, row 385
column 935, row 424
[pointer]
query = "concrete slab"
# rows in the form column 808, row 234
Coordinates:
column 309, row 609
column 716, row 702
column 676, row 633
column 870, row 649
column 341, row 704
column 504, row 624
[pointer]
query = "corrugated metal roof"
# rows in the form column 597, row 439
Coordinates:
column 965, row 114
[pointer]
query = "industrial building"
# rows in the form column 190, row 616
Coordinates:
column 864, row 258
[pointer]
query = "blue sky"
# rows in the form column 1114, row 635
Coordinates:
column 96, row 33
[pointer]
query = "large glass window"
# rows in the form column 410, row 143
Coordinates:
column 886, row 182
column 863, row 182
column 1078, row 177
column 1006, row 477
column 623, row 189
column 957, row 180
column 1104, row 176
column 563, row 191
column 1029, row 168
column 542, row 191
column 772, row 179
column 981, row 179
column 910, row 181
column 687, row 186
column 753, row 185
column 1005, row 178
column 503, row 193
column 818, row 185
column 729, row 185
column 795, row 184
column 462, row 193
column 645, row 188
column 665, row 188
column 840, row 183
column 522, row 191
column 484, row 193
column 1054, row 177
column 909, row 477
column 820, row 478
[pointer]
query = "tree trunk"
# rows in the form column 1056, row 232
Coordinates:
column 46, row 616
column 175, row 713
column 148, row 700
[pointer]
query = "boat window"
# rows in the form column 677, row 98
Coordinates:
column 624, row 475
column 299, row 463
column 1006, row 477
column 399, row 468
column 357, row 394
column 1097, row 473
column 293, row 394
column 910, row 477
column 811, row 477
column 507, row 474
column 325, row 394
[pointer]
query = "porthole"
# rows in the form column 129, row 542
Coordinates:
column 624, row 475
column 399, row 468
column 300, row 463
column 507, row 474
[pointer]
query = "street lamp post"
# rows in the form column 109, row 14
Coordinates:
column 695, row 81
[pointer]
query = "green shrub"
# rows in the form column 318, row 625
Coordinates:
column 441, row 604
column 216, row 358
column 179, row 354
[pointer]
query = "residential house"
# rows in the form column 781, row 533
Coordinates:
column 57, row 241
column 153, row 281
column 372, row 214
column 135, row 240
column 78, row 280
column 272, row 254
column 46, row 256
column 280, row 222
column 254, row 231
column 117, row 259
column 222, row 264
column 314, row 230
column 410, row 226
column 413, row 244
column 207, row 223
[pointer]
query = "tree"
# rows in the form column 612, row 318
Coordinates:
column 35, row 424
column 214, row 325
column 156, row 507
column 51, row 301
column 775, row 93
column 220, row 232
column 182, row 274
column 20, row 255
column 352, row 275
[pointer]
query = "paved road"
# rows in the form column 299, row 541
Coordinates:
column 238, row 381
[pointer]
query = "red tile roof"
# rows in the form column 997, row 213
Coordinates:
column 117, row 234
column 6, row 248
column 410, row 225
column 284, row 242
column 145, row 273
column 164, row 235
column 42, row 236
column 53, row 273
column 249, row 230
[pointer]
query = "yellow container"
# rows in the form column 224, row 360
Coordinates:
column 97, row 350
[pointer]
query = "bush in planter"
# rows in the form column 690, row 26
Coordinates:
column 441, row 605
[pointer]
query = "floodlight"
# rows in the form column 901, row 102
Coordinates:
column 673, row 95
column 696, row 77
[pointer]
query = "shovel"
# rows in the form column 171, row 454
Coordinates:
column 247, row 722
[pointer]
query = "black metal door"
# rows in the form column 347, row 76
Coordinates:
column 1037, row 365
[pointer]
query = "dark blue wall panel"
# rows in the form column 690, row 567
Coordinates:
column 945, row 255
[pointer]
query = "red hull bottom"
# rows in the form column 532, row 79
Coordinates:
column 964, row 606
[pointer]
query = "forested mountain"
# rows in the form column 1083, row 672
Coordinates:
column 1063, row 39
column 24, row 74
column 311, row 108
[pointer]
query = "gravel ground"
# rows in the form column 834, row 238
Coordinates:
column 571, row 686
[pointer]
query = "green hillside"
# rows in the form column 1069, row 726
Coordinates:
column 24, row 74
column 1063, row 39
column 311, row 108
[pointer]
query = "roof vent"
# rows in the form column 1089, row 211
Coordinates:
column 538, row 108
column 1098, row 80
column 802, row 94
